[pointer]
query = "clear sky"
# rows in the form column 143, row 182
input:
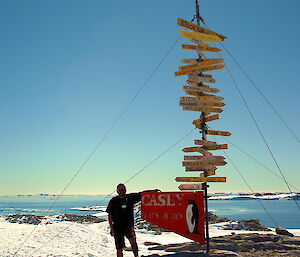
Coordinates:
column 68, row 68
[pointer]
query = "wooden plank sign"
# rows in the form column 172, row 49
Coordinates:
column 203, row 158
column 218, row 133
column 198, row 64
column 199, row 35
column 202, row 109
column 199, row 42
column 212, row 117
column 191, row 26
column 203, row 69
column 201, row 104
column 204, row 142
column 198, row 186
column 208, row 162
column 189, row 61
column 199, row 79
column 199, row 168
column 191, row 149
column 200, row 179
column 216, row 147
column 200, row 48
column 201, row 89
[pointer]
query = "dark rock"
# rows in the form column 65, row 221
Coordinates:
column 24, row 219
column 80, row 218
column 283, row 231
column 151, row 243
column 212, row 218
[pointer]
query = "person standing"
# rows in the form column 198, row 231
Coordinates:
column 121, row 219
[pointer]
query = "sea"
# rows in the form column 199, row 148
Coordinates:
column 285, row 213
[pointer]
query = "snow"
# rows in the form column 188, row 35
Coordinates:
column 262, row 197
column 82, row 240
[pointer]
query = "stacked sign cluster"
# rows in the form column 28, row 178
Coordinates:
column 201, row 99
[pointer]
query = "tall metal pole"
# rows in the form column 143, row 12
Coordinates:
column 204, row 129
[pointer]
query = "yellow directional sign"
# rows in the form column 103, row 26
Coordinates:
column 205, row 63
column 204, row 142
column 202, row 109
column 200, row 179
column 191, row 149
column 199, row 35
column 216, row 147
column 203, row 158
column 201, row 78
column 202, row 98
column 203, row 69
column 201, row 104
column 198, row 186
column 191, row 26
column 198, row 163
column 187, row 60
column 218, row 133
column 199, row 42
column 200, row 48
column 209, row 49
column 211, row 118
column 200, row 168
column 201, row 89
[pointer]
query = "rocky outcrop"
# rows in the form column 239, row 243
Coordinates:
column 283, row 231
column 251, row 225
column 24, row 219
column 80, row 218
column 250, row 245
column 35, row 219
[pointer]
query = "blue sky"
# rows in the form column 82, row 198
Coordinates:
column 69, row 68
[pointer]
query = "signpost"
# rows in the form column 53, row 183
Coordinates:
column 202, row 100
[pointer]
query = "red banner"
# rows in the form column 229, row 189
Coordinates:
column 180, row 212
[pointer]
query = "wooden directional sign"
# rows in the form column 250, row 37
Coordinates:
column 209, row 49
column 201, row 104
column 199, row 168
column 210, row 98
column 200, row 79
column 200, row 179
column 191, row 61
column 201, row 89
column 204, row 142
column 191, row 149
column 201, row 99
column 199, row 42
column 203, row 158
column 198, row 186
column 200, row 48
column 198, row 64
column 212, row 117
column 199, row 35
column 203, row 69
column 191, row 26
column 216, row 147
column 202, row 109
column 198, row 163
column 218, row 133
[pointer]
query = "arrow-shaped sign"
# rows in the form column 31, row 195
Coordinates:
column 199, row 79
column 202, row 109
column 216, row 147
column 204, row 142
column 191, row 26
column 200, row 168
column 201, row 89
column 218, row 133
column 203, row 158
column 198, row 163
column 199, row 35
column 200, row 179
column 203, row 69
column 198, row 186
column 198, row 64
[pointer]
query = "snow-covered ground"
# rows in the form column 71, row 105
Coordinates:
column 261, row 197
column 81, row 240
